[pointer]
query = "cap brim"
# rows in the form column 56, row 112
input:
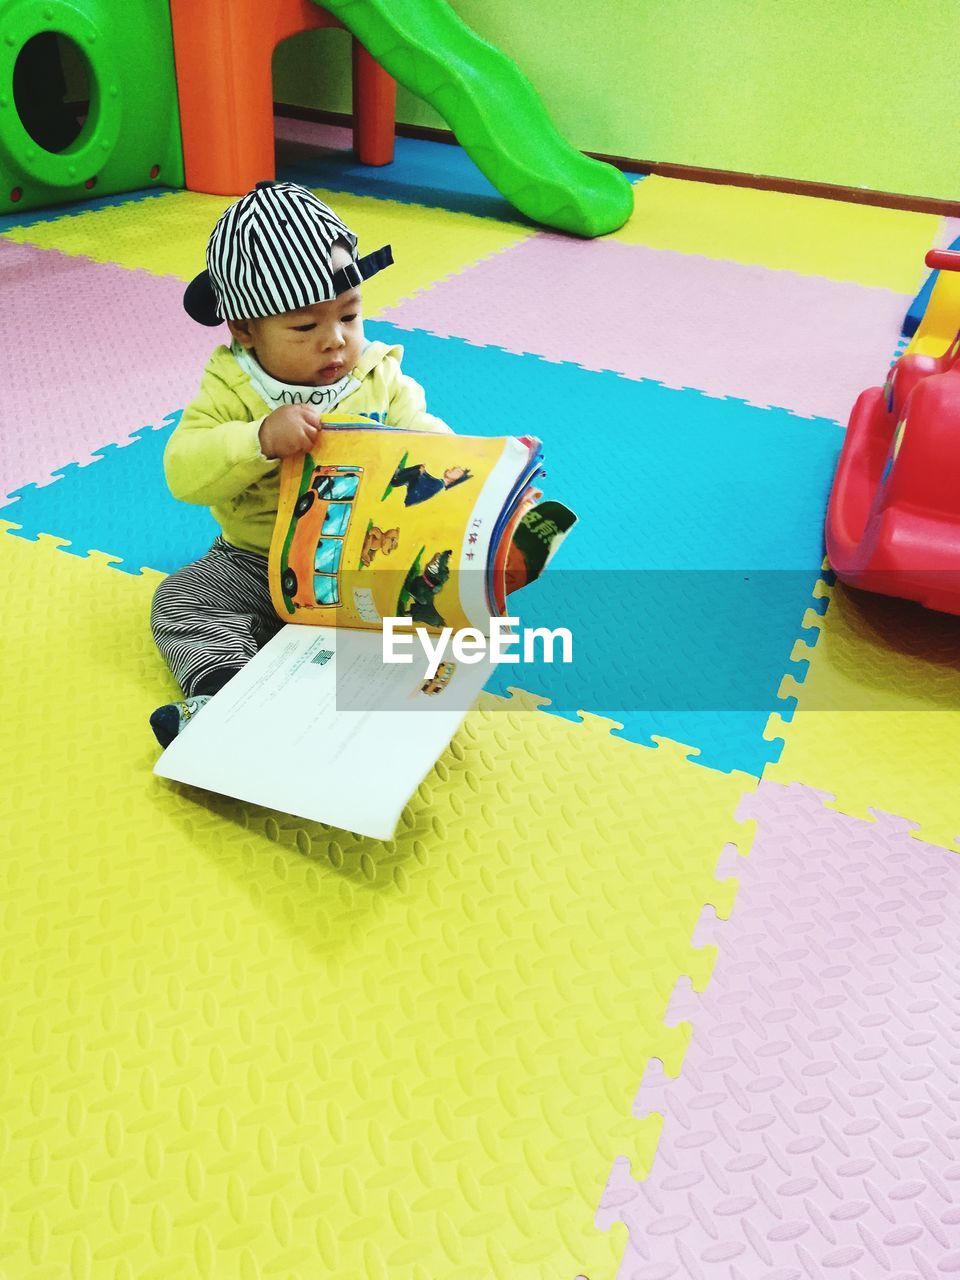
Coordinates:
column 200, row 302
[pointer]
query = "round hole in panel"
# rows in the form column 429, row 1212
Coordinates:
column 52, row 90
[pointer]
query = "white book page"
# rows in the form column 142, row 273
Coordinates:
column 293, row 731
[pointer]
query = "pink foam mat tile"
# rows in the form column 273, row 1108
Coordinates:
column 772, row 338
column 312, row 133
column 814, row 1130
column 89, row 353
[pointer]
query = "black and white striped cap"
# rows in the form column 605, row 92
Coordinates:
column 270, row 253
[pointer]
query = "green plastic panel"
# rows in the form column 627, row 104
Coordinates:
column 130, row 138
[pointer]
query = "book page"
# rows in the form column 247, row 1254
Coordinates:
column 296, row 729
column 385, row 523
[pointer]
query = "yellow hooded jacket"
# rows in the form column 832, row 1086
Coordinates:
column 213, row 457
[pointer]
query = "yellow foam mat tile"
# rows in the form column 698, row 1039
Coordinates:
column 168, row 236
column 882, row 248
column 235, row 1044
column 878, row 715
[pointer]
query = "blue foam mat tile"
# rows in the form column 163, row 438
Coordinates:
column 119, row 505
column 662, row 478
column 434, row 174
column 693, row 656
column 685, row 582
column 666, row 482
column 915, row 312
column 49, row 214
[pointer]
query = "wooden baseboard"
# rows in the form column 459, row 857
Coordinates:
column 689, row 173
column 796, row 187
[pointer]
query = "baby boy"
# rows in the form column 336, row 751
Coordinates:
column 283, row 273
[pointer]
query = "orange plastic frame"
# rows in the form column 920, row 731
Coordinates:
column 223, row 51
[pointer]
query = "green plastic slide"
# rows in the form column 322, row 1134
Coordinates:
column 494, row 111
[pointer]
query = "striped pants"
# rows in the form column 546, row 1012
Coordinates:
column 212, row 616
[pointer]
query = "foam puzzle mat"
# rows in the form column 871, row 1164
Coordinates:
column 129, row 370
column 168, row 237
column 421, row 173
column 878, row 714
column 667, row 316
column 238, row 1044
column 709, row 642
column 535, row 1037
column 815, row 1129
column 27, row 217
column 879, row 248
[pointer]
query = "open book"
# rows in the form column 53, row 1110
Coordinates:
column 432, row 529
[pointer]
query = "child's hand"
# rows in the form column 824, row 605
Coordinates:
column 293, row 429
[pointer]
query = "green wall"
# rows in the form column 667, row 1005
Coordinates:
column 855, row 92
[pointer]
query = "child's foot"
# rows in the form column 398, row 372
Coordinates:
column 166, row 722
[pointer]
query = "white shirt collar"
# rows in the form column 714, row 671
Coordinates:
column 276, row 393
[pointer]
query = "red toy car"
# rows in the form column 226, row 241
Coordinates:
column 893, row 521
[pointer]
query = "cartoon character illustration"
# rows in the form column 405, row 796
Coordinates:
column 416, row 599
column 439, row 682
column 384, row 540
column 421, row 485
column 310, row 563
